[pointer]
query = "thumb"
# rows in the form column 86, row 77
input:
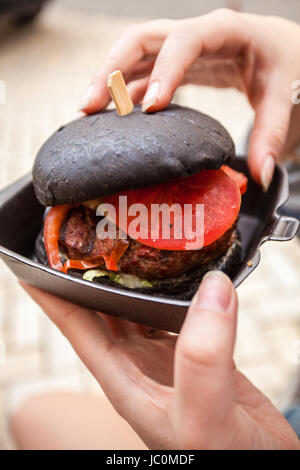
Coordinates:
column 203, row 361
column 269, row 135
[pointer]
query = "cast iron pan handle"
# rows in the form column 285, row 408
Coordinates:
column 285, row 229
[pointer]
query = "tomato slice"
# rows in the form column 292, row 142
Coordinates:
column 218, row 190
column 237, row 176
column 214, row 189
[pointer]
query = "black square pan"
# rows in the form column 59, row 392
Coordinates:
column 21, row 219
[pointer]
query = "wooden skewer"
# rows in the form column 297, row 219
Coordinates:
column 118, row 91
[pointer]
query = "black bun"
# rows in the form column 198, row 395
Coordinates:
column 181, row 288
column 104, row 153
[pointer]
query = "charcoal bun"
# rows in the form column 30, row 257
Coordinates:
column 104, row 153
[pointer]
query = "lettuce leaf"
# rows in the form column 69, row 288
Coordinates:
column 126, row 280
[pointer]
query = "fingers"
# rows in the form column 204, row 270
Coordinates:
column 203, row 361
column 138, row 42
column 217, row 73
column 178, row 44
column 120, row 328
column 137, row 89
column 193, row 38
column 123, row 57
column 269, row 132
column 177, row 54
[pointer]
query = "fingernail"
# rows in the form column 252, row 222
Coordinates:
column 215, row 292
column 86, row 99
column 267, row 172
column 151, row 96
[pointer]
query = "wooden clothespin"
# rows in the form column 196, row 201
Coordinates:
column 118, row 91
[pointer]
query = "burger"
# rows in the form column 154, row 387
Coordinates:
column 177, row 158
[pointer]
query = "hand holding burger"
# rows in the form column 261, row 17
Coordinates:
column 255, row 54
column 176, row 392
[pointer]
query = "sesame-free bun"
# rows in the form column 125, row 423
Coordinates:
column 103, row 153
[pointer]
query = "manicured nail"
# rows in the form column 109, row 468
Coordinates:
column 86, row 99
column 215, row 292
column 151, row 96
column 267, row 172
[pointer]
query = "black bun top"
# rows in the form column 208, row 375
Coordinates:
column 104, row 153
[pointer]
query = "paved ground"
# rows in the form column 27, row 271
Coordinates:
column 178, row 9
column 45, row 69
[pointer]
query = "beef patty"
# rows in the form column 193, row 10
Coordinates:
column 78, row 240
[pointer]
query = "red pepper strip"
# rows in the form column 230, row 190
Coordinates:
column 81, row 264
column 89, row 263
column 53, row 222
column 112, row 260
column 240, row 179
column 52, row 225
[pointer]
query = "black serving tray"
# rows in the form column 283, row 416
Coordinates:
column 21, row 219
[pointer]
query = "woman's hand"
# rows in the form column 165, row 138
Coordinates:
column 176, row 392
column 255, row 54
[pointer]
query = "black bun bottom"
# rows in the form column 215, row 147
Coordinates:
column 185, row 286
column 180, row 288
